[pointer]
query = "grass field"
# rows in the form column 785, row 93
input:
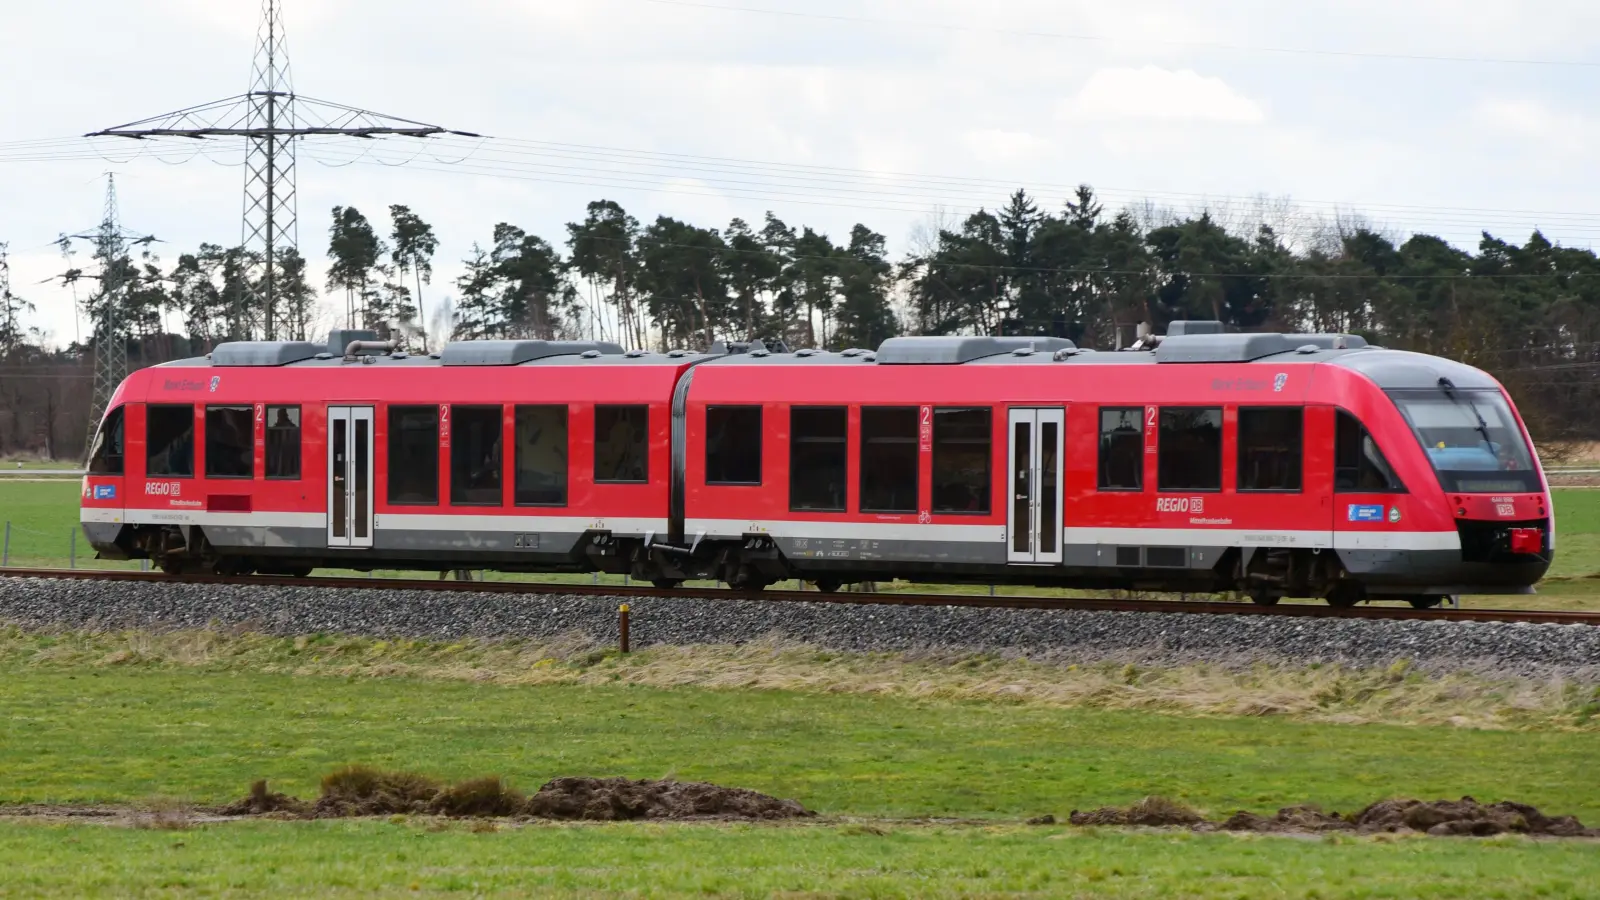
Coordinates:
column 372, row 858
column 44, row 515
column 123, row 729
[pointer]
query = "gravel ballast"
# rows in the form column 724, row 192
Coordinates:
column 1491, row 648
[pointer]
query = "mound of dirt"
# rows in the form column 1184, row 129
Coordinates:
column 261, row 802
column 609, row 799
column 1439, row 818
column 1151, row 811
column 1466, row 817
column 364, row 791
column 1290, row 818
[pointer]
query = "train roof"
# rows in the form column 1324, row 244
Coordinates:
column 1186, row 343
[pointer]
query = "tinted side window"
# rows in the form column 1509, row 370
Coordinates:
column 475, row 461
column 733, row 445
column 106, row 457
column 961, row 446
column 414, row 455
column 889, row 459
column 169, row 441
column 1359, row 466
column 283, row 442
column 1271, row 449
column 541, row 456
column 1189, row 456
column 1122, row 449
column 818, row 457
column 230, row 442
column 621, row 444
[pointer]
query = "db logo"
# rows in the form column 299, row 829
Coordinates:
column 1505, row 510
column 1181, row 504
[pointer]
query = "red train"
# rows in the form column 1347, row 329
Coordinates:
column 1275, row 465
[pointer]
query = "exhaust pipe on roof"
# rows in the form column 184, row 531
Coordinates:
column 354, row 348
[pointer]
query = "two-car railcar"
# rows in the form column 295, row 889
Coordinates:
column 1275, row 465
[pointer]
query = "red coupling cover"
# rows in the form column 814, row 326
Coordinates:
column 1527, row 540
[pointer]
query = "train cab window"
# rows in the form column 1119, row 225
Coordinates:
column 1189, row 455
column 621, row 444
column 283, row 442
column 1271, row 448
column 475, row 460
column 818, row 458
column 230, row 442
column 1359, row 466
column 889, row 459
column 733, row 445
column 105, row 458
column 414, row 455
column 962, row 441
column 1122, row 449
column 541, row 456
column 169, row 441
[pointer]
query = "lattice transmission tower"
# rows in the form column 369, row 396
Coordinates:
column 271, row 118
column 107, row 329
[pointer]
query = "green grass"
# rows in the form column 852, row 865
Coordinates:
column 408, row 859
column 82, row 733
column 74, row 733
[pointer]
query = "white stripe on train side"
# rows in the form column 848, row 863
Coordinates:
column 806, row 530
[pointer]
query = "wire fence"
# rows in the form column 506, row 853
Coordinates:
column 28, row 546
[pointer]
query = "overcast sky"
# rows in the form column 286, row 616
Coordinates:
column 1184, row 101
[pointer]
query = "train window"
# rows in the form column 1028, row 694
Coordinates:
column 961, row 458
column 889, row 459
column 1122, row 449
column 818, row 458
column 414, row 455
column 1189, row 455
column 1271, row 448
column 106, row 456
column 230, row 442
column 733, row 445
column 169, row 441
column 621, row 444
column 541, row 456
column 283, row 442
column 475, row 460
column 1359, row 466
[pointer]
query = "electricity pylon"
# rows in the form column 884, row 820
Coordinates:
column 271, row 117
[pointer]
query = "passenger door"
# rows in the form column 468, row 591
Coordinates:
column 350, row 440
column 1034, row 517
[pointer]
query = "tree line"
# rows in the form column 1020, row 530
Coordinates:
column 1529, row 312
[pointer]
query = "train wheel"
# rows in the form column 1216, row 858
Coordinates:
column 1262, row 598
column 170, row 565
column 1346, row 594
column 1427, row 602
column 828, row 585
column 666, row 584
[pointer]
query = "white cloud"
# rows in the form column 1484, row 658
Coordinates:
column 1149, row 92
column 1530, row 120
column 993, row 145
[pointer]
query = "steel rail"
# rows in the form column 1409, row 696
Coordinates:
column 1200, row 607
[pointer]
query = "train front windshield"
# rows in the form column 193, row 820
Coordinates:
column 1472, row 439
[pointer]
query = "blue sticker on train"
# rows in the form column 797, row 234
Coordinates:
column 105, row 492
column 1361, row 512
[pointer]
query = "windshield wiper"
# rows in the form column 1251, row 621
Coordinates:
column 1449, row 389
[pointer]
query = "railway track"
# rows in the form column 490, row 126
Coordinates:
column 1201, row 607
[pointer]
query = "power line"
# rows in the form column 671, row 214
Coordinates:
column 1094, row 38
